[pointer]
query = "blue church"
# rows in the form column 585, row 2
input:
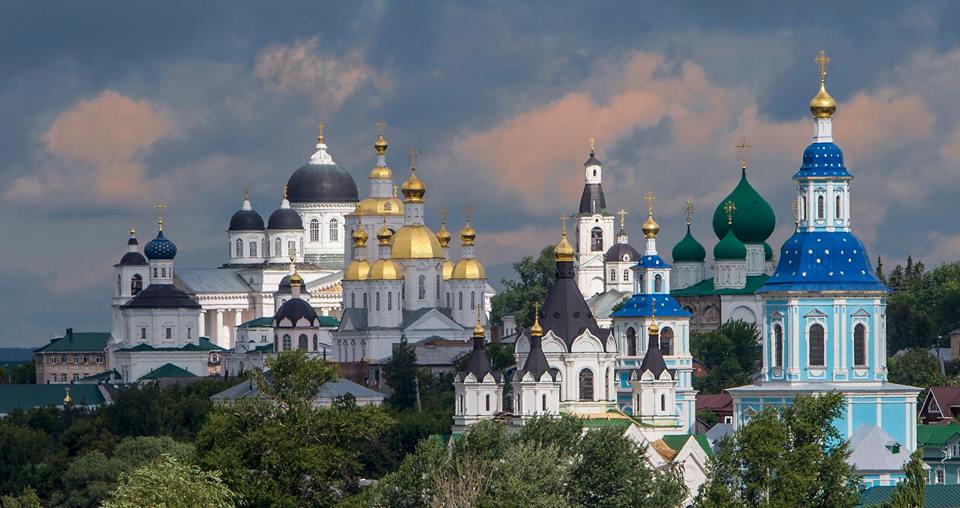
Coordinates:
column 824, row 317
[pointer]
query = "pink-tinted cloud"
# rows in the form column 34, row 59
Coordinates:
column 328, row 79
column 96, row 146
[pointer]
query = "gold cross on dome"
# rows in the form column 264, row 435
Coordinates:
column 729, row 207
column 822, row 60
column 443, row 215
column 742, row 148
column 413, row 157
column 381, row 125
column 688, row 210
column 622, row 214
column 246, row 193
column 320, row 126
column 563, row 224
column 593, row 145
column 650, row 199
column 467, row 210
column 160, row 206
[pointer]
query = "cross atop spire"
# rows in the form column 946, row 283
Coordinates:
column 413, row 157
column 593, row 145
column 729, row 207
column 688, row 210
column 650, row 199
column 622, row 213
column 563, row 224
column 320, row 136
column 381, row 125
column 160, row 206
column 742, row 148
column 443, row 215
column 467, row 210
column 822, row 60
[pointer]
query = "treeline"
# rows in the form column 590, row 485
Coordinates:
column 924, row 306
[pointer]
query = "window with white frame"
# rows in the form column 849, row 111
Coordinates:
column 816, row 345
column 314, row 230
column 334, row 230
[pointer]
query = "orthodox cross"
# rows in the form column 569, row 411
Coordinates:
column 443, row 215
column 650, row 199
column 285, row 191
column 246, row 193
column 742, row 148
column 413, row 157
column 563, row 224
column 622, row 214
column 320, row 136
column 467, row 210
column 160, row 206
column 593, row 145
column 395, row 188
column 688, row 210
column 822, row 60
column 729, row 208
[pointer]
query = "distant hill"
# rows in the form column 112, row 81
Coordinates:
column 15, row 354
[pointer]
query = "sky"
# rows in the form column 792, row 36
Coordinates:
column 108, row 107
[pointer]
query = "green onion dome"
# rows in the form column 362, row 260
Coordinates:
column 730, row 248
column 689, row 250
column 755, row 219
column 767, row 252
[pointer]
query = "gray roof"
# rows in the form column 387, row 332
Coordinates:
column 602, row 304
column 718, row 432
column 869, row 450
column 212, row 280
column 444, row 354
column 816, row 387
column 329, row 391
column 353, row 320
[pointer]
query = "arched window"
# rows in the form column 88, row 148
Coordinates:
column 302, row 341
column 666, row 341
column 488, row 402
column 613, row 275
column 837, row 209
column 438, row 287
column 586, row 384
column 626, row 275
column 277, row 248
column 376, row 305
column 777, row 345
column 859, row 345
column 460, row 304
column 136, row 284
column 803, row 207
column 334, row 230
column 631, row 342
column 314, row 230
column 364, row 300
column 253, row 249
column 543, row 398
column 291, row 247
column 820, row 207
column 353, row 300
column 276, row 342
column 816, row 346
column 448, row 301
column 473, row 300
column 238, row 250
column 287, row 344
column 658, row 283
column 640, row 283
column 119, row 283
column 596, row 239
column 460, row 408
column 594, row 172
column 389, row 300
column 422, row 287
column 315, row 342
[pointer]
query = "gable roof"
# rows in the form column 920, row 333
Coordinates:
column 936, row 435
column 945, row 396
column 212, row 280
column 161, row 296
column 722, row 402
column 77, row 341
column 330, row 390
column 869, row 452
column 29, row 396
column 167, row 370
column 705, row 287
column 934, row 496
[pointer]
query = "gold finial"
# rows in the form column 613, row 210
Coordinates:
column 320, row 126
column 160, row 206
column 360, row 237
column 650, row 227
column 469, row 235
column 593, row 145
column 623, row 214
column 654, row 328
column 413, row 158
column 796, row 212
column 133, row 231
column 246, row 193
column 563, row 251
column 384, row 235
column 742, row 148
column 822, row 105
column 381, row 144
column 478, row 331
column 536, row 330
column 729, row 207
column 688, row 210
column 66, row 398
column 285, row 192
column 413, row 189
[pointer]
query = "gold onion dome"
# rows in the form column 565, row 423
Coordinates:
column 360, row 237
column 654, row 328
column 385, row 269
column 447, row 269
column 469, row 269
column 536, row 330
column 380, row 206
column 296, row 279
column 564, row 251
column 650, row 227
column 478, row 330
column 468, row 235
column 822, row 105
column 358, row 269
column 413, row 189
column 384, row 235
column 416, row 242
column 380, row 145
column 444, row 236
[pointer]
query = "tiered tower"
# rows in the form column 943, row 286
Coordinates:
column 594, row 231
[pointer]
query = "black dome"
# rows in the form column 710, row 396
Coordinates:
column 133, row 258
column 296, row 309
column 246, row 220
column 617, row 252
column 284, row 286
column 325, row 183
column 284, row 218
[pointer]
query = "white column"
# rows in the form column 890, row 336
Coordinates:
column 238, row 320
column 202, row 325
column 217, row 339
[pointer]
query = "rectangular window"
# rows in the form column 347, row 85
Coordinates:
column 168, row 333
column 63, row 358
column 85, row 359
column 189, row 333
column 75, row 378
column 143, row 334
column 940, row 476
column 63, row 378
column 76, row 359
column 53, row 379
column 99, row 358
column 53, row 359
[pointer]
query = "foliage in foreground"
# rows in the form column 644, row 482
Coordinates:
column 168, row 483
column 548, row 463
column 785, row 456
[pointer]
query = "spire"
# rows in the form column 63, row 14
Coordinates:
column 443, row 236
column 563, row 251
column 822, row 105
column 650, row 227
column 742, row 148
column 160, row 206
column 66, row 397
column 653, row 358
column 321, row 156
column 381, row 171
column 536, row 330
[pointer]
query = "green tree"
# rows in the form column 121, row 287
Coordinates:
column 28, row 499
column 535, row 278
column 916, row 367
column 296, row 378
column 910, row 492
column 21, row 373
column 785, row 456
column 732, row 353
column 400, row 374
column 168, row 482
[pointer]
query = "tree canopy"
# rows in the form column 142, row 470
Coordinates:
column 732, row 353
column 166, row 482
column 535, row 278
column 924, row 306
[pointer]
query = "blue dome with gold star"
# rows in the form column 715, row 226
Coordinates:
column 820, row 160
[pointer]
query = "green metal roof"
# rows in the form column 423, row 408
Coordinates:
column 260, row 322
column 167, row 370
column 329, row 321
column 103, row 376
column 678, row 441
column 705, row 288
column 29, row 396
column 936, row 435
column 205, row 345
column 77, row 341
column 934, row 496
column 596, row 423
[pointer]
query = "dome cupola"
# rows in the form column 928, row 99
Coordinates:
column 160, row 247
column 564, row 251
column 321, row 180
column 689, row 250
column 133, row 256
column 756, row 218
column 246, row 218
column 730, row 247
column 285, row 217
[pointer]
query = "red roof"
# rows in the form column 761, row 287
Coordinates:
column 719, row 402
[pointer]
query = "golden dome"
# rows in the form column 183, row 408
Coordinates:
column 478, row 330
column 469, row 269
column 650, row 227
column 563, row 251
column 380, row 206
column 296, row 279
column 385, row 269
column 536, row 330
column 416, row 242
column 443, row 236
column 380, row 145
column 384, row 235
column 468, row 235
column 822, row 105
column 358, row 269
column 447, row 269
column 380, row 173
column 654, row 328
column 413, row 189
column 360, row 237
